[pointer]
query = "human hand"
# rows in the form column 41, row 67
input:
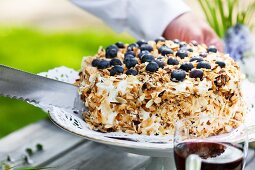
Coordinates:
column 188, row 27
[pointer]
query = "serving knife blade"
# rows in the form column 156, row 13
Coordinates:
column 40, row 90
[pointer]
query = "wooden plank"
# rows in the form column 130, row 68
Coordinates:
column 251, row 166
column 250, row 162
column 93, row 156
column 60, row 146
column 66, row 151
column 55, row 141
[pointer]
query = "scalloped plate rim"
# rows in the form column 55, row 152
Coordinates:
column 113, row 141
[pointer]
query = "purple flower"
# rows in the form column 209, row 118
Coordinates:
column 237, row 41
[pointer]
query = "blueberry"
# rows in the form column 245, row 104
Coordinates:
column 197, row 59
column 182, row 44
column 193, row 42
column 182, row 54
column 116, row 70
column 203, row 55
column 120, row 44
column 161, row 64
column 142, row 53
column 127, row 57
column 172, row 61
column 102, row 64
column 161, row 48
column 190, row 49
column 204, row 64
column 176, row 41
column 164, row 50
column 141, row 42
column 95, row 62
column 178, row 75
column 147, row 58
column 152, row 67
column 130, row 53
column 131, row 72
column 111, row 51
column 131, row 62
column 146, row 47
column 196, row 73
column 115, row 62
column 160, row 57
column 221, row 64
column 212, row 49
column 132, row 46
column 186, row 66
column 160, row 39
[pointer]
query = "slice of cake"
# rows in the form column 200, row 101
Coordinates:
column 145, row 87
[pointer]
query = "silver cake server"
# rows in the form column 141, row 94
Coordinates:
column 39, row 90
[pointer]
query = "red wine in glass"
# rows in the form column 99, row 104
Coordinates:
column 214, row 156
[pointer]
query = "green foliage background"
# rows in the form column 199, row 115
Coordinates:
column 223, row 14
column 37, row 51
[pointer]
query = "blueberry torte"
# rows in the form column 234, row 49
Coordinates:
column 145, row 87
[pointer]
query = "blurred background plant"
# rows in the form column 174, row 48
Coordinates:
column 233, row 21
column 223, row 14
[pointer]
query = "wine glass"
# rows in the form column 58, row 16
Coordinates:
column 220, row 143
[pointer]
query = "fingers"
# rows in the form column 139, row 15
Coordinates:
column 196, row 35
column 198, row 30
column 217, row 43
column 211, row 38
column 179, row 31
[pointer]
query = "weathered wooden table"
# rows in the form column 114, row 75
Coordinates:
column 64, row 151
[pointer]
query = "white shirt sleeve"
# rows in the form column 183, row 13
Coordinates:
column 144, row 19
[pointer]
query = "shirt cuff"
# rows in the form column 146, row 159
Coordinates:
column 148, row 19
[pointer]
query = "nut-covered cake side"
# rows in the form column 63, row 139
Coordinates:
column 145, row 87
